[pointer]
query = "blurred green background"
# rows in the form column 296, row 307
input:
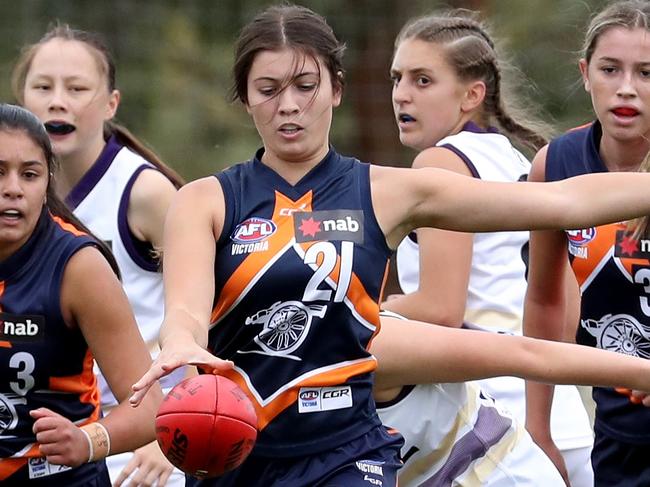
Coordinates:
column 174, row 57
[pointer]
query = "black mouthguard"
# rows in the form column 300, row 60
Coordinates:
column 59, row 128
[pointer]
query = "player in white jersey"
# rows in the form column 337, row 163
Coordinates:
column 447, row 96
column 113, row 184
column 455, row 435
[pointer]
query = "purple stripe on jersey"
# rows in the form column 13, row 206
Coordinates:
column 465, row 159
column 489, row 428
column 94, row 174
column 474, row 128
column 139, row 252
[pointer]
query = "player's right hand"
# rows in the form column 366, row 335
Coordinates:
column 175, row 354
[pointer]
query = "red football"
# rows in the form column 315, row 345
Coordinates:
column 206, row 425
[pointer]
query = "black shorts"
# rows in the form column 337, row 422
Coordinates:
column 617, row 463
column 372, row 459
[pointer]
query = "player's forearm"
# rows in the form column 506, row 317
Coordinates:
column 563, row 363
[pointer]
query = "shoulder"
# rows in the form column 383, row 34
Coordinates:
column 203, row 196
column 441, row 158
column 151, row 185
column 538, row 169
column 572, row 139
column 203, row 188
column 86, row 273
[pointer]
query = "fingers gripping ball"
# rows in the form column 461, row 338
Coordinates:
column 206, row 425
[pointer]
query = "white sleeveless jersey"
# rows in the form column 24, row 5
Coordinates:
column 497, row 282
column 495, row 295
column 455, row 436
column 100, row 200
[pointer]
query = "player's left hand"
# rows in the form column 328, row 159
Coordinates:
column 636, row 397
column 148, row 466
column 61, row 442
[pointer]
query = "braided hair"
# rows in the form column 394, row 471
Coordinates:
column 471, row 52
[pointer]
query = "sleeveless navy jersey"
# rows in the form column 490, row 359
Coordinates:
column 613, row 272
column 299, row 273
column 44, row 363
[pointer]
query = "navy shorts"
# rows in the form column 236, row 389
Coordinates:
column 616, row 463
column 367, row 461
column 87, row 475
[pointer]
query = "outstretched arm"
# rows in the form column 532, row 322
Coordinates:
column 444, row 199
column 411, row 352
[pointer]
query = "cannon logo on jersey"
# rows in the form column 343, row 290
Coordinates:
column 251, row 235
column 578, row 240
column 629, row 247
column 21, row 328
column 620, row 333
column 329, row 225
column 285, row 325
column 8, row 416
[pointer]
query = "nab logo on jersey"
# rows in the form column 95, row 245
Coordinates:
column 632, row 248
column 329, row 225
column 21, row 328
column 253, row 230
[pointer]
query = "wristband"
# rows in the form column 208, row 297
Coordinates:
column 90, row 446
column 99, row 442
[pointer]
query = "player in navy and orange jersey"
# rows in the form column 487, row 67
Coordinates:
column 61, row 306
column 114, row 184
column 289, row 295
column 611, row 264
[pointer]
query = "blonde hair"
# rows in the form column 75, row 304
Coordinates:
column 629, row 14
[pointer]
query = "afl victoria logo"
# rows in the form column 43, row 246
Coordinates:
column 253, row 230
column 309, row 395
column 582, row 237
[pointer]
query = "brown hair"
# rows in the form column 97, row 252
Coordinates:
column 99, row 49
column 471, row 52
column 15, row 118
column 283, row 26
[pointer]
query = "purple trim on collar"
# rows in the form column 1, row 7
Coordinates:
column 137, row 252
column 465, row 159
column 94, row 174
column 474, row 128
